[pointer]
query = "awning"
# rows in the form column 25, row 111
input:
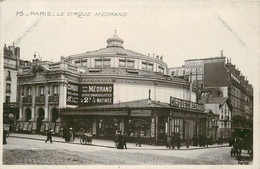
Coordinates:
column 106, row 113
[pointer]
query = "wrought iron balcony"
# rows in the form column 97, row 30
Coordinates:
column 27, row 100
column 54, row 99
column 40, row 99
column 8, row 78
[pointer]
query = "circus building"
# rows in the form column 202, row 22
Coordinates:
column 106, row 90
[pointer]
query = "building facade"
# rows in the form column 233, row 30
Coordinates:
column 108, row 76
column 11, row 66
column 228, row 81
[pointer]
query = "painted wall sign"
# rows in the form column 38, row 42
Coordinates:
column 96, row 94
column 90, row 94
column 72, row 94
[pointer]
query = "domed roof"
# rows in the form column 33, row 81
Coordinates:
column 115, row 41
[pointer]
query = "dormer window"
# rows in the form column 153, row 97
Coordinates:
column 102, row 63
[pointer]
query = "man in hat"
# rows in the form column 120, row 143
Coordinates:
column 49, row 136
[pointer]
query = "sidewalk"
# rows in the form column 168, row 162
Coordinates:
column 106, row 143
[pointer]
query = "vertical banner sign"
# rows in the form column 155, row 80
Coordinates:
column 96, row 94
column 72, row 94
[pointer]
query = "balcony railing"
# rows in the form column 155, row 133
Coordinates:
column 8, row 78
column 27, row 99
column 54, row 99
column 40, row 100
column 8, row 65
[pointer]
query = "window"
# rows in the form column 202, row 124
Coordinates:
column 144, row 65
column 77, row 63
column 177, row 126
column 130, row 63
column 161, row 69
column 29, row 91
column 150, row 66
column 55, row 89
column 8, row 75
column 122, row 63
column 41, row 90
column 8, row 87
column 98, row 63
column 7, row 99
column 84, row 63
column 106, row 63
column 173, row 73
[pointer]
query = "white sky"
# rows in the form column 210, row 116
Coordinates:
column 177, row 30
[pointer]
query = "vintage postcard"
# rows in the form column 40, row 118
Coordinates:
column 123, row 84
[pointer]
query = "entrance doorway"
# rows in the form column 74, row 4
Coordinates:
column 39, row 119
column 54, row 115
column 28, row 114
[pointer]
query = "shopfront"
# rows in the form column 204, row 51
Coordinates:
column 155, row 121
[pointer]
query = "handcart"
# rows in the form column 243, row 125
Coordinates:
column 85, row 138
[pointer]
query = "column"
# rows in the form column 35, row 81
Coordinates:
column 46, row 106
column 62, row 94
column 33, row 102
column 21, row 105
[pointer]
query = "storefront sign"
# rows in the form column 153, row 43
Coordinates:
column 175, row 102
column 72, row 94
column 96, row 94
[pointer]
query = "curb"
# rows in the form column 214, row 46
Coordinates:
column 199, row 148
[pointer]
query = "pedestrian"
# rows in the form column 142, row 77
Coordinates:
column 4, row 136
column 139, row 139
column 124, row 140
column 49, row 136
column 66, row 134
column 178, row 140
column 120, row 141
column 116, row 137
column 173, row 141
column 166, row 142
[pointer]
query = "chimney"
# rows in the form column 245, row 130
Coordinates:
column 221, row 53
column 157, row 57
column 153, row 55
column 148, row 54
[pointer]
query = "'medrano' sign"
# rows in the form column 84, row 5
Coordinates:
column 72, row 94
column 96, row 94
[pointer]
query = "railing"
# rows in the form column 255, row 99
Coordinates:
column 40, row 99
column 27, row 99
column 8, row 65
column 54, row 99
column 8, row 78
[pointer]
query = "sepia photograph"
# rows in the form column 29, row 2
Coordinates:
column 129, row 83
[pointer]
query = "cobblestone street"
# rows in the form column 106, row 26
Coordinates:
column 36, row 152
